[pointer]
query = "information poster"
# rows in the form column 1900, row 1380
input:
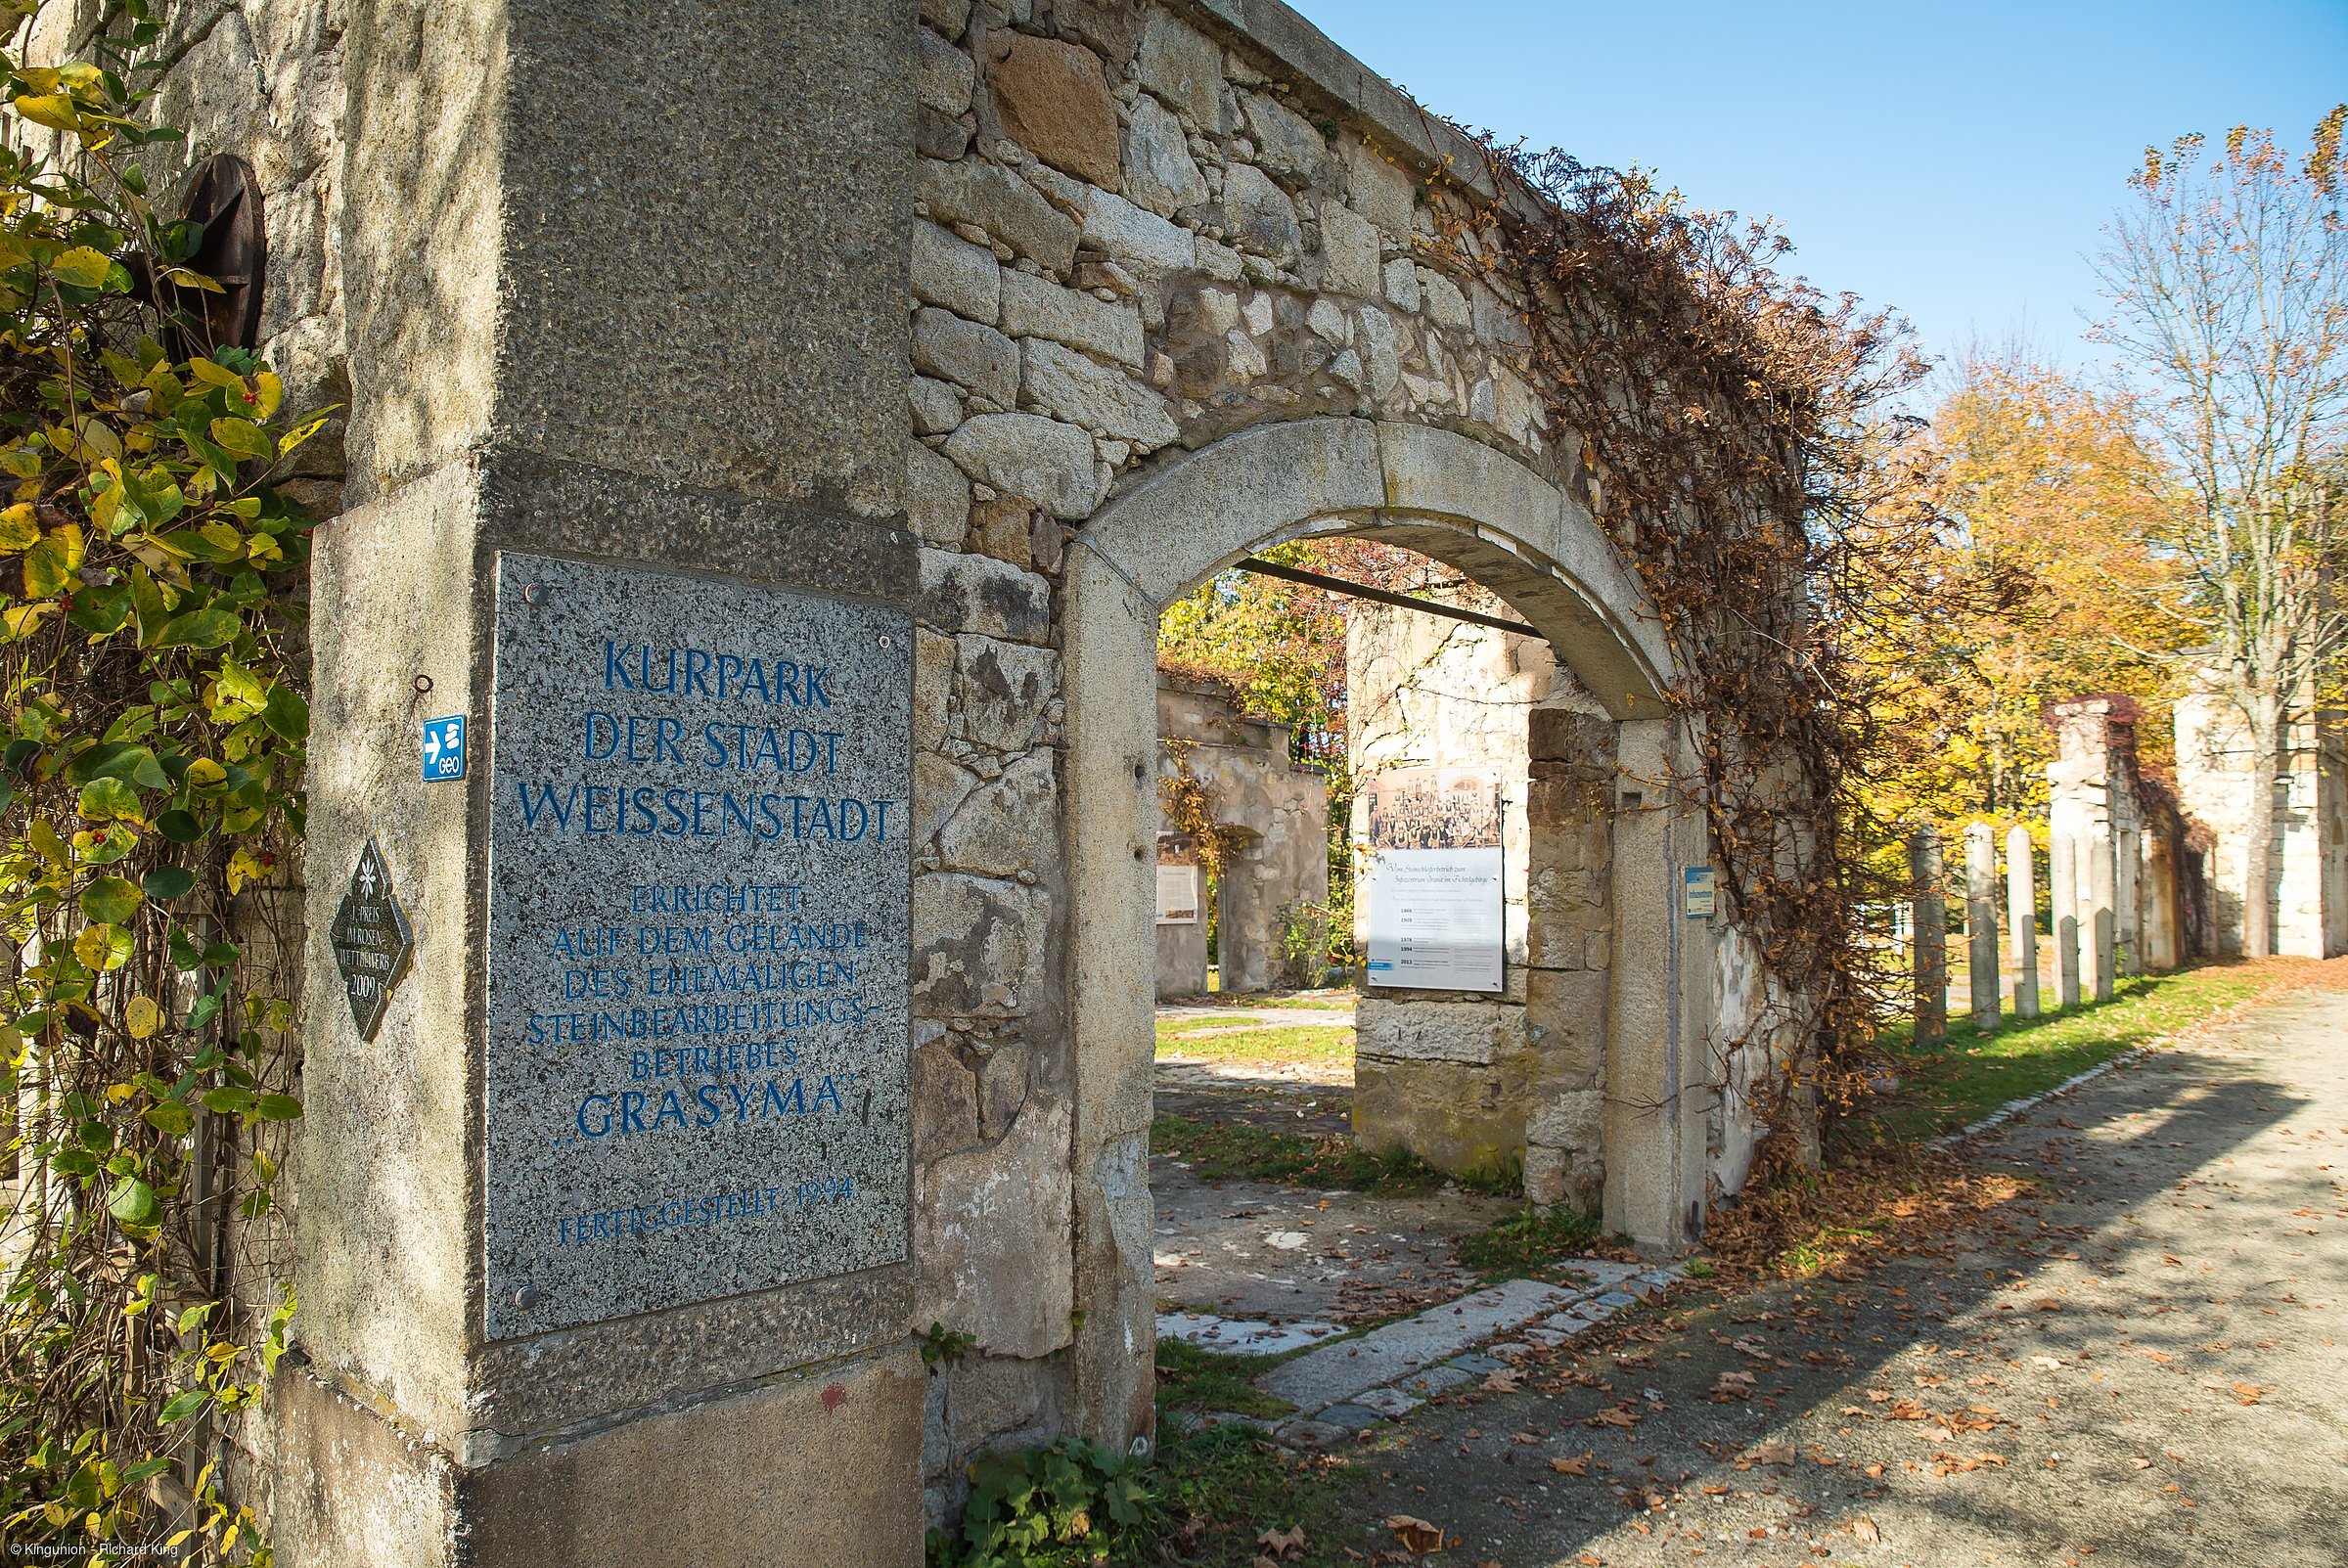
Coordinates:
column 698, row 930
column 1432, row 880
column 1176, row 893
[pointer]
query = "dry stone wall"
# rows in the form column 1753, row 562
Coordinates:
column 1134, row 236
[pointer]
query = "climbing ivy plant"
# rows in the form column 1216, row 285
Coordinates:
column 151, row 681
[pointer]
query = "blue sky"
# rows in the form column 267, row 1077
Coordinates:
column 1954, row 160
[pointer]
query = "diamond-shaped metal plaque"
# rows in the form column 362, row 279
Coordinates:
column 373, row 941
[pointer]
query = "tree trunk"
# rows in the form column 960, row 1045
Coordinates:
column 2265, row 710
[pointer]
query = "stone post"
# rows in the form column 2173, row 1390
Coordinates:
column 1647, row 1113
column 608, row 452
column 1981, row 922
column 2021, row 921
column 2099, row 923
column 2063, row 887
column 1931, row 937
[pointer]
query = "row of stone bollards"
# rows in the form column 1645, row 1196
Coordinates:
column 2083, row 894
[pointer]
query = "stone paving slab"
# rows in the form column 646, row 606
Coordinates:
column 1236, row 1337
column 1337, row 1372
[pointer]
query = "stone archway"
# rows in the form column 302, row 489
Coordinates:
column 1446, row 497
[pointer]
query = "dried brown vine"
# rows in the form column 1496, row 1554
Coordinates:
column 1730, row 429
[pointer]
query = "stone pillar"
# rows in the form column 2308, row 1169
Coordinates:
column 1981, row 922
column 2063, row 887
column 2021, row 921
column 1569, row 944
column 2099, row 923
column 1645, row 1116
column 594, row 416
column 1931, row 937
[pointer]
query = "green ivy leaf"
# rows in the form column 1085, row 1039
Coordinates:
column 171, row 1117
column 111, row 900
column 228, row 1100
column 132, row 1201
column 102, row 799
column 179, row 1406
column 180, row 827
column 169, row 882
column 287, row 713
column 277, row 1107
column 204, row 628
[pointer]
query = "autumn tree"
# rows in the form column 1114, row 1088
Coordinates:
column 2055, row 506
column 2227, row 279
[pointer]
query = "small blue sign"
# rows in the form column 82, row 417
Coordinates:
column 444, row 749
column 1701, row 888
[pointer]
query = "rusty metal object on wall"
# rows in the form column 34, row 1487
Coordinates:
column 225, row 201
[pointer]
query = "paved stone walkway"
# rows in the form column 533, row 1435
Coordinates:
column 2142, row 1360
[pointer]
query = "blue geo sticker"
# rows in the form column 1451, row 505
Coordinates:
column 444, row 749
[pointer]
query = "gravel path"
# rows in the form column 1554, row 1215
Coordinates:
column 2140, row 1359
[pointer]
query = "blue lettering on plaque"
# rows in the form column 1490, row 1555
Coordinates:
column 698, row 948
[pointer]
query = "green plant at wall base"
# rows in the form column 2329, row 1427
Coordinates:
column 150, row 684
column 1304, row 929
column 1073, row 1502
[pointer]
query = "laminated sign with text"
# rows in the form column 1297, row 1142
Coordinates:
column 1431, row 879
column 698, row 927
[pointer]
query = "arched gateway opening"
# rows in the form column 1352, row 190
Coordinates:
column 1510, row 530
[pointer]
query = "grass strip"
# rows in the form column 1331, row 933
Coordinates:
column 1220, row 1151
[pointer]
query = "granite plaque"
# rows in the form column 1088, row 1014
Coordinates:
column 373, row 941
column 700, row 888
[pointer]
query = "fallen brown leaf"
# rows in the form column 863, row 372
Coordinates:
column 1866, row 1530
column 1505, row 1380
column 1417, row 1533
column 1573, row 1467
column 1774, row 1453
column 1283, row 1543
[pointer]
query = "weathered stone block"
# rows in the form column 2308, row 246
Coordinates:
column 1003, row 694
column 1566, row 1012
column 1402, row 284
column 937, row 408
column 945, row 1098
column 950, row 271
column 943, row 74
column 1029, row 455
column 1444, row 301
column 937, row 136
column 1142, row 241
column 1457, row 1116
column 1287, row 141
column 937, row 498
column 1474, row 1032
column 1003, row 528
column 977, row 357
column 993, row 1234
column 934, row 660
column 1184, row 68
column 1379, row 190
column 1564, row 1156
column 978, row 945
column 1348, row 252
column 964, row 593
column 1106, row 401
column 1036, row 307
column 1002, row 204
column 1159, row 173
column 1000, row 1402
column 1261, row 217
column 1054, row 101
column 850, row 1433
column 1004, row 827
column 948, row 17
